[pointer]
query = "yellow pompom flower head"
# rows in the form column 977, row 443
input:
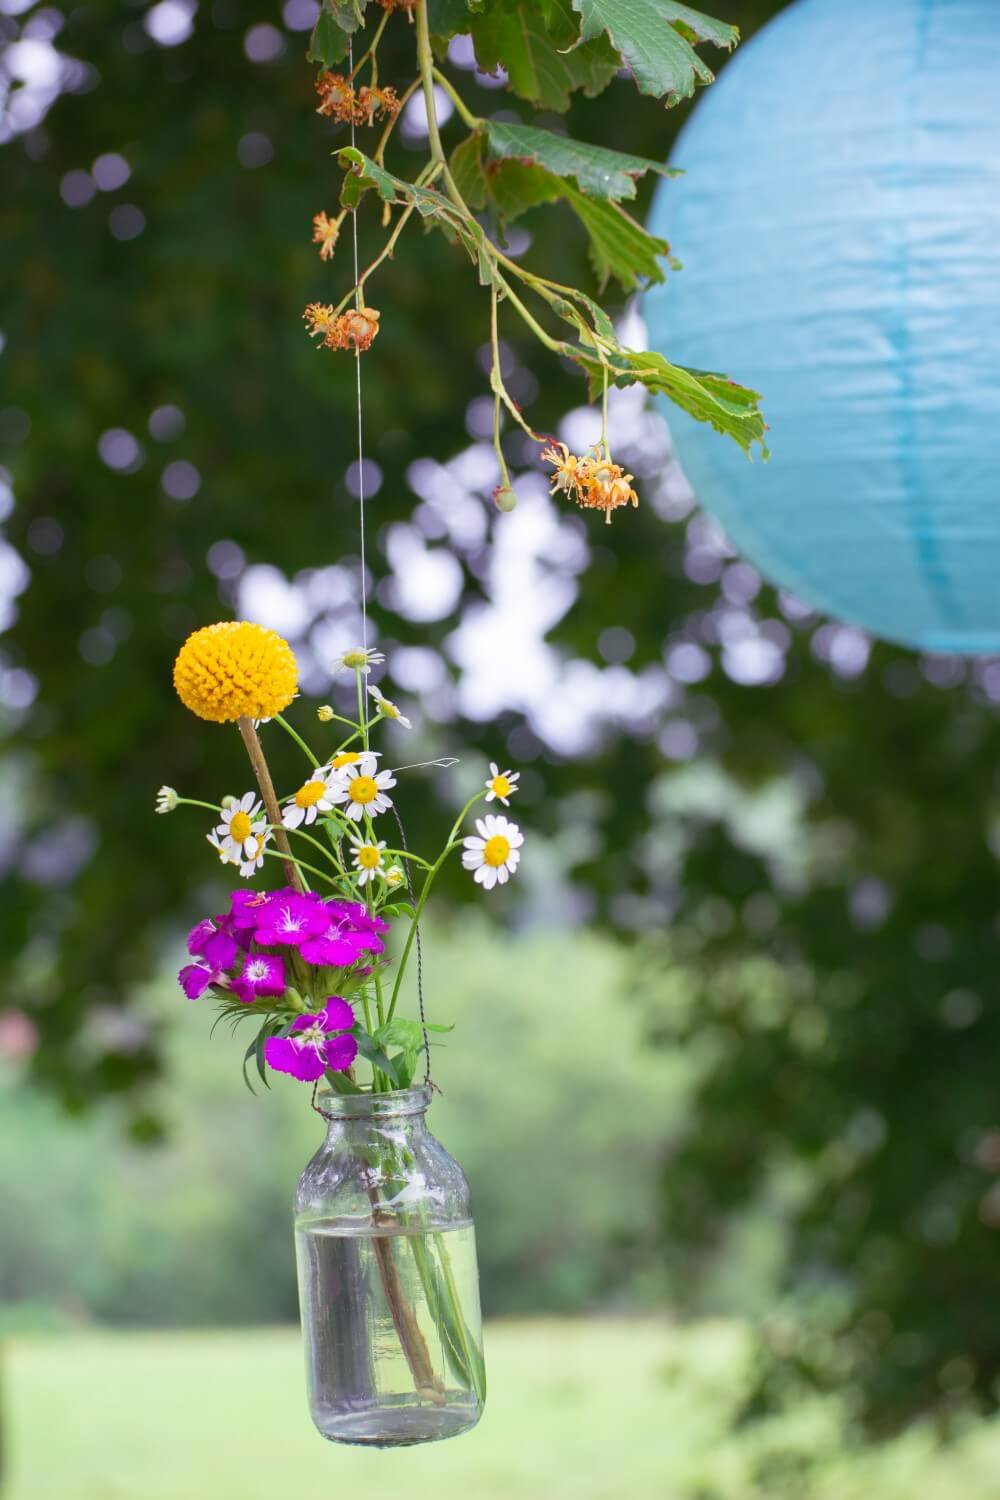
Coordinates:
column 235, row 670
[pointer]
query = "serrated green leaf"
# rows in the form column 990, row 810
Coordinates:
column 730, row 408
column 598, row 172
column 619, row 246
column 656, row 39
column 529, row 46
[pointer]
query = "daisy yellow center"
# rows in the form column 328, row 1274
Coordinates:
column 345, row 758
column 389, row 709
column 497, row 850
column 500, row 786
column 369, row 857
column 363, row 790
column 240, row 826
column 309, row 795
column 355, row 658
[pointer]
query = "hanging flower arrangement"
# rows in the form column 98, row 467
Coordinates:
column 308, row 963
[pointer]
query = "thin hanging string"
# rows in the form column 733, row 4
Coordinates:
column 428, row 1082
column 357, row 368
column 364, row 597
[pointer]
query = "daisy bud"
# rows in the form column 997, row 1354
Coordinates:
column 166, row 799
column 504, row 497
column 229, row 802
column 324, row 714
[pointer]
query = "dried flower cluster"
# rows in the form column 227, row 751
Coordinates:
column 594, row 481
column 339, row 100
column 326, row 232
column 354, row 329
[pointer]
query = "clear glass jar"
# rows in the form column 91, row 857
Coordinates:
column 388, row 1280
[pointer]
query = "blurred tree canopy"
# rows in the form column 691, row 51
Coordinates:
column 801, row 836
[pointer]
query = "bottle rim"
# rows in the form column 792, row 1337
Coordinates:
column 334, row 1106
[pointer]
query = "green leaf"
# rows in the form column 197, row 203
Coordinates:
column 467, row 169
column 619, row 246
column 361, row 173
column 530, row 46
column 432, row 1026
column 705, row 395
column 341, row 1084
column 405, row 1064
column 599, row 172
column 369, row 1049
column 446, row 17
column 328, row 43
column 657, row 40
column 400, row 1033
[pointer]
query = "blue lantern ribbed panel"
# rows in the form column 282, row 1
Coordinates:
column 839, row 226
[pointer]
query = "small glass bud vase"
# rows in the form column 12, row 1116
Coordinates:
column 388, row 1280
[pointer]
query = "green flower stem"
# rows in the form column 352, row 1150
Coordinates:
column 193, row 802
column 425, row 61
column 384, row 254
column 472, row 121
column 301, row 834
column 362, row 718
column 500, row 391
column 371, row 53
column 300, row 864
column 424, row 893
column 255, row 752
column 390, row 125
column 279, row 719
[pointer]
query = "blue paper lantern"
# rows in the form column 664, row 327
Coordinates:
column 839, row 227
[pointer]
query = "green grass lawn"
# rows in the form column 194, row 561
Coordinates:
column 597, row 1410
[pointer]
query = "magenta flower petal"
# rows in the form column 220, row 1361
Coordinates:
column 199, row 935
column 301, row 1059
column 246, row 908
column 335, row 949
column 290, row 920
column 219, row 949
column 195, row 980
column 336, row 1015
column 340, row 1052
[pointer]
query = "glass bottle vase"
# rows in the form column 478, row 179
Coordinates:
column 388, row 1280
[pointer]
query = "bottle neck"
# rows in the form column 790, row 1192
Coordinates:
column 401, row 1111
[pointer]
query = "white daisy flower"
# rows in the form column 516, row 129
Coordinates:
column 216, row 843
column 363, row 788
column 365, row 760
column 387, row 708
column 358, row 660
column 495, row 855
column 242, row 828
column 254, row 860
column 166, row 799
column 502, row 784
column 367, row 858
column 313, row 797
column 394, row 877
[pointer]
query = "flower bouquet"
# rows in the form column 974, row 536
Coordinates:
column 385, row 1242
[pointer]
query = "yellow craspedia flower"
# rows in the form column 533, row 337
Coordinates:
column 232, row 669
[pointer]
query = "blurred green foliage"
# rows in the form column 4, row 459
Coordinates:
column 563, row 1175
column 816, row 898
